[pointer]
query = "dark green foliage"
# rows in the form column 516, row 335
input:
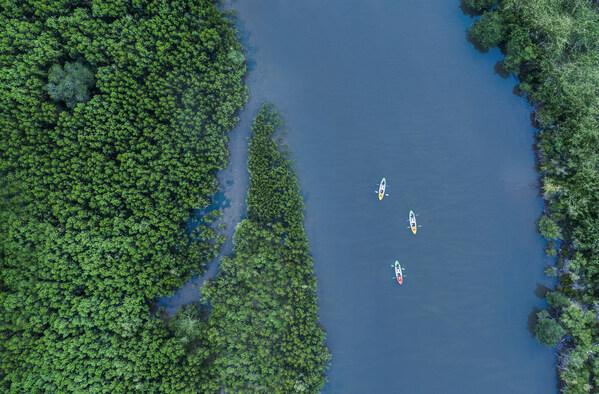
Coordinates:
column 70, row 84
column 488, row 31
column 547, row 329
column 263, row 327
column 477, row 7
column 94, row 201
column 551, row 46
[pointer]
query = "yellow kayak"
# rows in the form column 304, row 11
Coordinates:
column 382, row 187
column 413, row 225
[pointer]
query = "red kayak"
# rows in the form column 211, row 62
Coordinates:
column 398, row 273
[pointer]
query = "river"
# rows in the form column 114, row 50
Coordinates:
column 392, row 88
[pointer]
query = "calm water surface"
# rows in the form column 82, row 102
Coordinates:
column 392, row 88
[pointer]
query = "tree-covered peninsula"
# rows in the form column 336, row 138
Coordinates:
column 113, row 121
column 263, row 326
column 552, row 46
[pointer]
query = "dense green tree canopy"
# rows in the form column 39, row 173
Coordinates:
column 95, row 199
column 114, row 117
column 548, row 228
column 264, row 325
column 552, row 47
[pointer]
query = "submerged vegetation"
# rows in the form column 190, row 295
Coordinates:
column 552, row 46
column 263, row 326
column 113, row 119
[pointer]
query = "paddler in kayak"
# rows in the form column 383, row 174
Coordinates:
column 382, row 188
column 398, row 272
column 413, row 225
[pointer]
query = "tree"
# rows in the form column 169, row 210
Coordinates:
column 547, row 330
column 488, row 31
column 266, row 291
column 95, row 202
column 477, row 7
column 71, row 84
column 548, row 228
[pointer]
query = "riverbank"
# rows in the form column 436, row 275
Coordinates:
column 229, row 201
column 552, row 48
column 232, row 180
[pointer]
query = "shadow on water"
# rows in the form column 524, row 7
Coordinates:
column 541, row 290
column 532, row 320
column 503, row 73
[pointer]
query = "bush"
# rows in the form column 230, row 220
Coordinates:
column 549, row 229
column 488, row 31
column 547, row 330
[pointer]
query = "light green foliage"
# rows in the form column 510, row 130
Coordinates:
column 94, row 201
column 579, row 363
column 189, row 326
column 557, row 300
column 236, row 57
column 70, row 84
column 551, row 46
column 548, row 228
column 263, row 327
column 551, row 271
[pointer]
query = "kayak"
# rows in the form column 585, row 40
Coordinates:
column 413, row 225
column 382, row 187
column 398, row 272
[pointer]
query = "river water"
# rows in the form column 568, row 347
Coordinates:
column 392, row 88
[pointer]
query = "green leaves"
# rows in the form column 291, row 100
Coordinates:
column 488, row 31
column 547, row 330
column 95, row 201
column 549, row 229
column 70, row 84
column 477, row 7
column 264, row 326
column 551, row 46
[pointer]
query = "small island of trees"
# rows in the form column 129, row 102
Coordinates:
column 264, row 326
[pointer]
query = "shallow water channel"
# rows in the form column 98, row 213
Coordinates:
column 392, row 88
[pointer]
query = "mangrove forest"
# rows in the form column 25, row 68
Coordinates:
column 552, row 47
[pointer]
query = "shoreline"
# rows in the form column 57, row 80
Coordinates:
column 233, row 183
